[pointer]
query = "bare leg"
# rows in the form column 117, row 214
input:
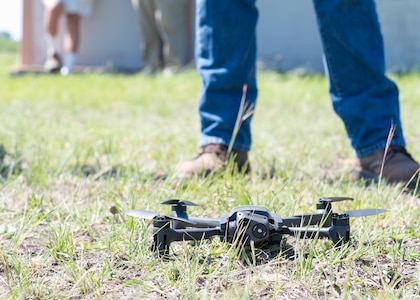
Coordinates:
column 51, row 17
column 71, row 42
column 72, row 37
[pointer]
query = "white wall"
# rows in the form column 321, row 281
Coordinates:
column 287, row 35
column 401, row 28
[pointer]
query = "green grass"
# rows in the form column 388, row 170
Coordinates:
column 89, row 142
column 7, row 45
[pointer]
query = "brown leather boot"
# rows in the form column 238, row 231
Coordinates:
column 213, row 157
column 398, row 166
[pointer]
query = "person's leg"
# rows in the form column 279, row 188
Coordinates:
column 225, row 50
column 71, row 42
column 364, row 98
column 172, row 20
column 75, row 10
column 151, row 41
column 226, row 61
column 72, row 36
column 52, row 13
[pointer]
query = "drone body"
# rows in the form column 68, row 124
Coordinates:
column 250, row 224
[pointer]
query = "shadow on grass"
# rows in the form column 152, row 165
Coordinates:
column 242, row 254
column 97, row 172
column 8, row 165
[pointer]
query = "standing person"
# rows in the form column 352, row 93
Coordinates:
column 165, row 33
column 73, row 10
column 361, row 94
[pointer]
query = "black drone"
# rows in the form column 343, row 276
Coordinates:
column 250, row 224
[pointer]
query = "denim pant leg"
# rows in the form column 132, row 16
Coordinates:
column 225, row 52
column 361, row 94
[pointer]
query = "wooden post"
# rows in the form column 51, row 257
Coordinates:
column 26, row 45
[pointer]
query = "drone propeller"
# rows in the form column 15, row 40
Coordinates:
column 149, row 215
column 178, row 202
column 334, row 199
column 365, row 212
column 315, row 219
column 143, row 214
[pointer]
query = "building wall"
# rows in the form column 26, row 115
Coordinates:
column 287, row 35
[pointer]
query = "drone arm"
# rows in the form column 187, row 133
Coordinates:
column 195, row 234
column 163, row 237
column 339, row 235
column 308, row 220
column 205, row 222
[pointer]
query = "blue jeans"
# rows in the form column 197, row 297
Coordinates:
column 364, row 98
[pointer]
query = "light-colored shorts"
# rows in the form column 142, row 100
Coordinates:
column 80, row 7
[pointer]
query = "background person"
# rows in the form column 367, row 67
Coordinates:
column 164, row 27
column 73, row 11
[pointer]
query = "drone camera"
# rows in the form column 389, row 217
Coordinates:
column 251, row 227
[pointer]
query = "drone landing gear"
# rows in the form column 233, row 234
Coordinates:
column 164, row 235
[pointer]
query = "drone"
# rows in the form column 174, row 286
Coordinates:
column 246, row 225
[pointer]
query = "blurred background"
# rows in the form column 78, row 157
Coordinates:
column 11, row 19
column 287, row 35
